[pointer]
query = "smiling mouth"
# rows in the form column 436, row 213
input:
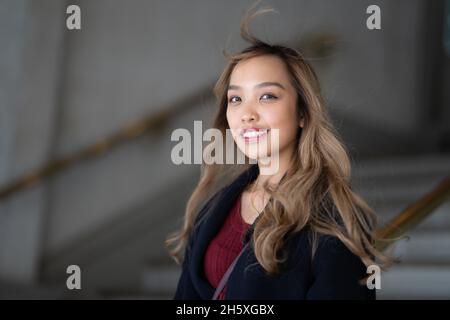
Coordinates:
column 253, row 135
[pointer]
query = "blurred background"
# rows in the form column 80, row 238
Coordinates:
column 86, row 117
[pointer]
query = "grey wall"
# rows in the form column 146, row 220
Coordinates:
column 31, row 43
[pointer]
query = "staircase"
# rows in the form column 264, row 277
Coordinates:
column 389, row 185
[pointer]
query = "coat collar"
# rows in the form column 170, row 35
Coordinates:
column 213, row 220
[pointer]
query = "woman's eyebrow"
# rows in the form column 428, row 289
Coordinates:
column 260, row 85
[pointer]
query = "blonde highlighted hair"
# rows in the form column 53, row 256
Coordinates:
column 315, row 192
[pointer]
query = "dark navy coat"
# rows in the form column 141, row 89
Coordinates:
column 332, row 274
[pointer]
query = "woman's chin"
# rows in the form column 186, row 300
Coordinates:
column 256, row 156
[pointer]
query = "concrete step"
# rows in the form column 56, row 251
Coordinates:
column 439, row 219
column 162, row 279
column 136, row 294
column 424, row 248
column 406, row 167
column 399, row 181
column 399, row 192
column 415, row 282
column 19, row 291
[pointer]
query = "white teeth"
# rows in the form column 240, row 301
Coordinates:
column 254, row 133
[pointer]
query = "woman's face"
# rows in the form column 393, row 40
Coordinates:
column 261, row 98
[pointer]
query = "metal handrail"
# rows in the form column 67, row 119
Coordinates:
column 127, row 133
column 415, row 213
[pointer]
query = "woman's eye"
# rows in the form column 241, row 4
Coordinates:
column 234, row 99
column 268, row 96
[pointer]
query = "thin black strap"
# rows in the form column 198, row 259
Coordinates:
column 225, row 277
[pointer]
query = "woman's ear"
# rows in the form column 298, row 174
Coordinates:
column 301, row 122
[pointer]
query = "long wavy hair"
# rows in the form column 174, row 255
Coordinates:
column 315, row 192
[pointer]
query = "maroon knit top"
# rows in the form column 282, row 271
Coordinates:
column 225, row 247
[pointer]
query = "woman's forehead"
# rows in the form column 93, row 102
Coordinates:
column 260, row 66
column 248, row 73
column 267, row 68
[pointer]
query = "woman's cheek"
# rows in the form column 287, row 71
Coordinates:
column 231, row 122
column 234, row 131
column 284, row 123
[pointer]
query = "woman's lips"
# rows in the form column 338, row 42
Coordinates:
column 253, row 135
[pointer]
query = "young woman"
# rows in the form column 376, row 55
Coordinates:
column 300, row 233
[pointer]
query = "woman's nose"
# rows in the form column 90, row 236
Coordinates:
column 249, row 115
column 248, row 118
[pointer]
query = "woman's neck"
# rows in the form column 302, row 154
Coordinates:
column 273, row 179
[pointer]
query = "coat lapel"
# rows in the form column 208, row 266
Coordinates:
column 211, row 224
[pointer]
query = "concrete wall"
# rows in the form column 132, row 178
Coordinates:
column 30, row 64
